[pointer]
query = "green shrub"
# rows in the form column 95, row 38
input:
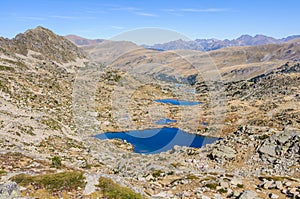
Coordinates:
column 58, row 181
column 156, row 173
column 240, row 186
column 263, row 137
column 110, row 189
column 191, row 177
column 2, row 172
column 51, row 123
column 6, row 68
column 56, row 162
column 211, row 185
column 222, row 190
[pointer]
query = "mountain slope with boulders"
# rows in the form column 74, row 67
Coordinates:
column 55, row 96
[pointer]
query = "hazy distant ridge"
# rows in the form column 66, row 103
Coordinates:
column 214, row 44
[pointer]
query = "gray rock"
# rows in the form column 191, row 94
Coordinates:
column 268, row 184
column 294, row 191
column 91, row 181
column 235, row 194
column 161, row 195
column 279, row 185
column 224, row 184
column 272, row 195
column 281, row 148
column 284, row 191
column 205, row 197
column 288, row 184
column 223, row 152
column 150, row 177
column 268, row 148
column 217, row 196
column 229, row 193
column 9, row 190
column 248, row 195
column 235, row 181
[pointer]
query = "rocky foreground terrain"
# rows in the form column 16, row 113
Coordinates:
column 55, row 96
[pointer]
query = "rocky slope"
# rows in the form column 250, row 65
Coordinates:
column 45, row 44
column 52, row 101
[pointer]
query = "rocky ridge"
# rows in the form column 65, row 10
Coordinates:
column 45, row 44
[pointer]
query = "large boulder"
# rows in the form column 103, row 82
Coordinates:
column 223, row 152
column 282, row 144
column 9, row 190
column 248, row 195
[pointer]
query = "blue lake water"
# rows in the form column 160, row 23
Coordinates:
column 165, row 121
column 177, row 102
column 158, row 140
column 204, row 123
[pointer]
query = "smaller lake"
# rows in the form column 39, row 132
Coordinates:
column 165, row 121
column 177, row 102
column 151, row 141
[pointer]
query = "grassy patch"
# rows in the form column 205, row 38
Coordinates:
column 263, row 137
column 240, row 186
column 191, row 177
column 56, row 162
column 176, row 164
column 8, row 68
column 51, row 123
column 58, row 181
column 222, row 190
column 156, row 173
column 2, row 172
column 27, row 129
column 211, row 185
column 110, row 189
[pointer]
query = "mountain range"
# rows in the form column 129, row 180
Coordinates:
column 214, row 44
column 197, row 44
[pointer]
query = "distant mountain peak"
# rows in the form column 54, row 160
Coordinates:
column 38, row 30
column 245, row 36
column 81, row 41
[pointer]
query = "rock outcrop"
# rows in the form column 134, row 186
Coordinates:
column 45, row 44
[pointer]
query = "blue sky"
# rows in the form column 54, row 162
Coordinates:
column 194, row 18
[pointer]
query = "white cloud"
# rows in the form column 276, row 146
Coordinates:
column 125, row 9
column 203, row 10
column 32, row 18
column 70, row 17
column 63, row 17
column 145, row 14
column 168, row 10
column 117, row 27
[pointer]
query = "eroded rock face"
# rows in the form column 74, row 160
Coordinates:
column 281, row 146
column 223, row 152
column 9, row 190
column 248, row 195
